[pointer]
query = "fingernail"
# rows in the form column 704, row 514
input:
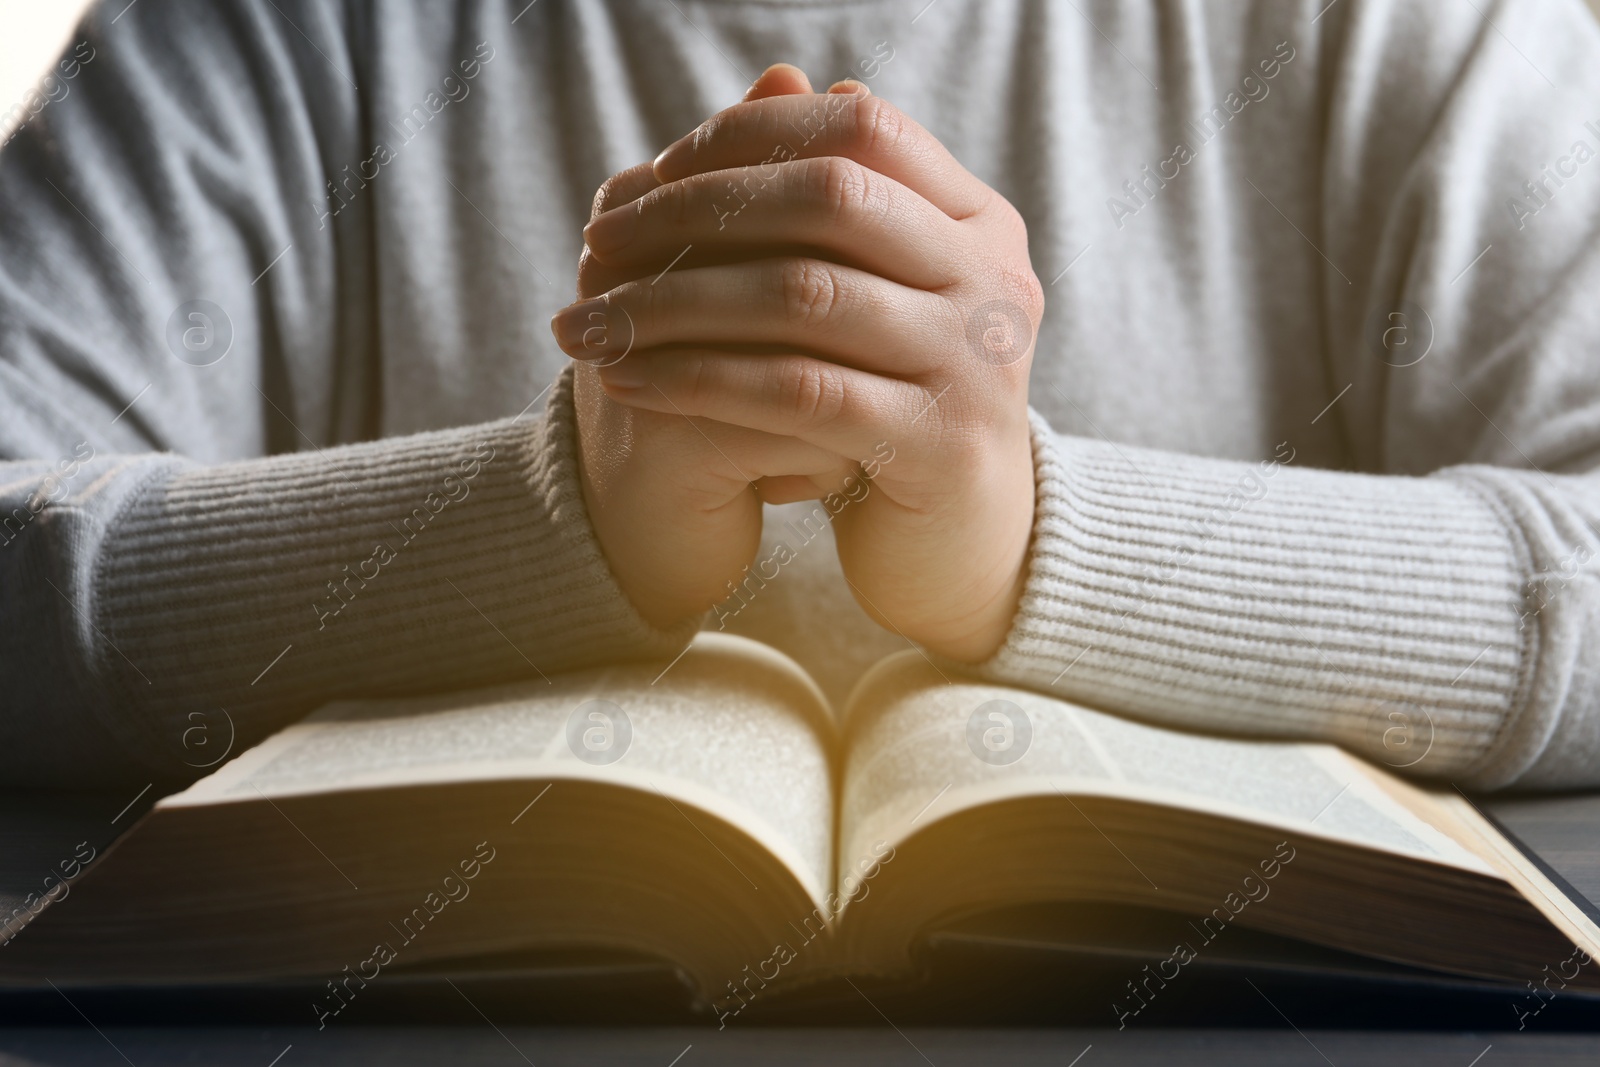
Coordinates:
column 628, row 374
column 611, row 231
column 572, row 324
column 673, row 162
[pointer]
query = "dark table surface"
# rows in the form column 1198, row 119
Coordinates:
column 512, row 1046
column 1266, row 1023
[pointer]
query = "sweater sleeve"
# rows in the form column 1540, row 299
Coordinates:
column 1436, row 608
column 436, row 561
column 184, row 565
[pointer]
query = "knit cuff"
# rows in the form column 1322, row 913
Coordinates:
column 1381, row 613
column 441, row 560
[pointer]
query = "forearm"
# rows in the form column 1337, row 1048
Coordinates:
column 1391, row 615
column 267, row 587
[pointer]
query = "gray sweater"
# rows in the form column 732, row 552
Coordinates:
column 1318, row 387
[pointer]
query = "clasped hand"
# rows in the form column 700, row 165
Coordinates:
column 804, row 285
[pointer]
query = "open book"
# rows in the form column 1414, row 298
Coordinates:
column 720, row 815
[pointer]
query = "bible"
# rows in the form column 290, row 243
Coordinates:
column 721, row 816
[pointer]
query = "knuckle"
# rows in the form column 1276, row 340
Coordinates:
column 842, row 188
column 673, row 202
column 810, row 291
column 1002, row 315
column 695, row 380
column 708, row 133
column 880, row 127
column 638, row 306
column 1022, row 288
column 606, row 196
column 811, row 391
column 1033, row 296
column 591, row 275
column 622, row 188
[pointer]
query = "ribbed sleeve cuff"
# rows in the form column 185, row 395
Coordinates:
column 1381, row 613
column 441, row 560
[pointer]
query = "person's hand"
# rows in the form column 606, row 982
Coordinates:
column 846, row 283
column 670, row 497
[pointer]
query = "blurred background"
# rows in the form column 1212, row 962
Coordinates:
column 32, row 33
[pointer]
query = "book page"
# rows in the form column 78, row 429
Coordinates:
column 795, row 598
column 732, row 727
column 1478, row 832
column 922, row 743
